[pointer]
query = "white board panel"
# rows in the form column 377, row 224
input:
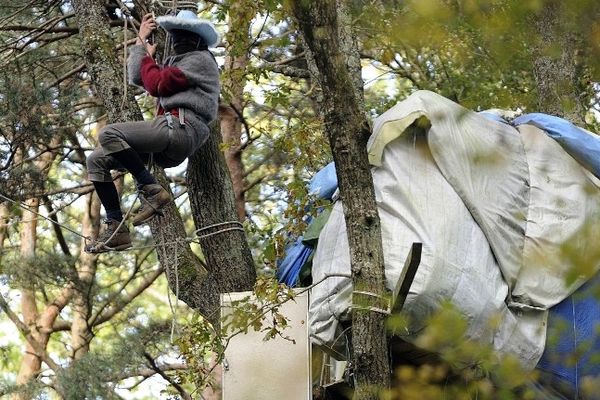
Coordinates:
column 276, row 369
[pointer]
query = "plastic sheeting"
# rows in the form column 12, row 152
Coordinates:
column 492, row 205
column 582, row 145
column 322, row 186
column 573, row 339
column 296, row 255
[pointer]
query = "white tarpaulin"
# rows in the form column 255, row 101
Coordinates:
column 492, row 205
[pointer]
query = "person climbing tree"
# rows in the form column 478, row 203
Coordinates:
column 187, row 90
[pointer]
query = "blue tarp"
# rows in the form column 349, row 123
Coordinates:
column 296, row 254
column 579, row 143
column 323, row 185
column 573, row 345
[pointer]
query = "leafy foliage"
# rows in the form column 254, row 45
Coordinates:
column 90, row 376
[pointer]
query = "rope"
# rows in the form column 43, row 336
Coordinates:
column 241, row 227
column 137, row 195
column 195, row 238
column 167, row 268
column 127, row 14
column 24, row 207
column 124, row 63
column 190, row 239
column 175, row 4
column 386, row 311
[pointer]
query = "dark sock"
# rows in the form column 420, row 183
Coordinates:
column 109, row 197
column 132, row 161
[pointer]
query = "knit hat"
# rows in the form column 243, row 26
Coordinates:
column 189, row 21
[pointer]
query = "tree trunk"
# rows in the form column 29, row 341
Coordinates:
column 236, row 61
column 81, row 333
column 31, row 362
column 3, row 226
column 102, row 63
column 228, row 255
column 326, row 29
column 40, row 324
column 556, row 65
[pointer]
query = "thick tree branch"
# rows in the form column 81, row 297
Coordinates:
column 67, row 75
column 26, row 332
column 50, row 314
column 51, row 29
column 288, row 70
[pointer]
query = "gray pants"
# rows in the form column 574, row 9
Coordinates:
column 169, row 141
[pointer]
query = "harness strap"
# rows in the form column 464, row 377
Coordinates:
column 181, row 116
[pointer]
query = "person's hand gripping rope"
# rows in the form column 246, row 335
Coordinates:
column 147, row 27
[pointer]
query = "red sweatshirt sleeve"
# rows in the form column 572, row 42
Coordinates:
column 162, row 82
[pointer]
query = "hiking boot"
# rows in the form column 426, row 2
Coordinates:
column 153, row 197
column 109, row 239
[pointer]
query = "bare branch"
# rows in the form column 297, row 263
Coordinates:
column 148, row 372
column 102, row 316
column 20, row 10
column 185, row 395
column 69, row 74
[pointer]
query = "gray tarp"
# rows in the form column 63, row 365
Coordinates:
column 492, row 205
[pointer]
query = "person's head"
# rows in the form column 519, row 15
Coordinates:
column 185, row 41
column 189, row 32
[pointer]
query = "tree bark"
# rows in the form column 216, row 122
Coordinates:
column 556, row 65
column 228, row 256
column 102, row 64
column 81, row 333
column 3, row 226
column 236, row 61
column 31, row 362
column 326, row 29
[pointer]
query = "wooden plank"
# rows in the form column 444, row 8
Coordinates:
column 406, row 277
